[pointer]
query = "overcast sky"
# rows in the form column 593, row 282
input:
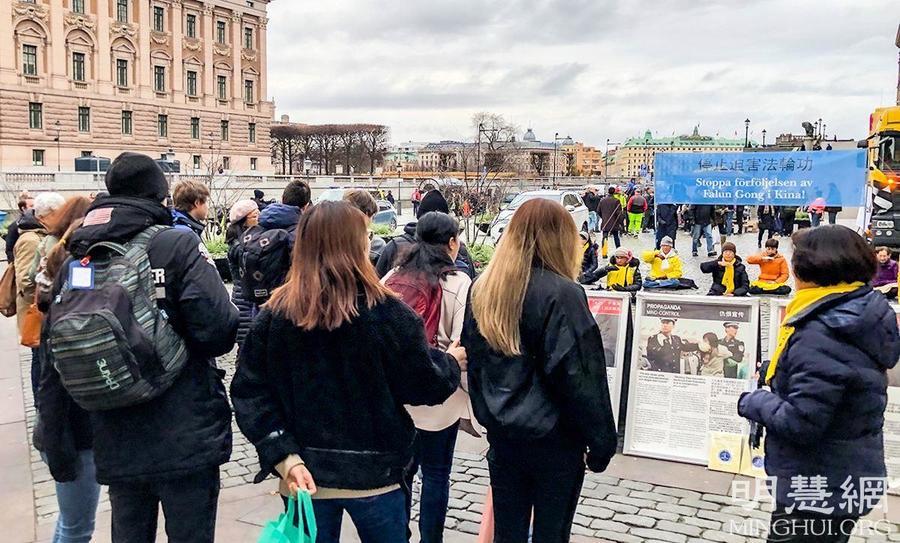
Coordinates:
column 595, row 69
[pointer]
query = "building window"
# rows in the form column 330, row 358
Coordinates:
column 159, row 78
column 248, row 38
column 78, row 6
column 192, row 83
column 121, row 72
column 122, row 11
column 195, row 128
column 126, row 123
column 29, row 59
column 37, row 157
column 220, row 31
column 252, row 129
column 248, row 91
column 226, row 162
column 253, row 164
column 78, row 66
column 224, row 130
column 162, row 124
column 35, row 115
column 223, row 87
column 191, row 27
column 84, row 119
column 196, row 159
column 158, row 19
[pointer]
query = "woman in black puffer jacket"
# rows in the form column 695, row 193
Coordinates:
column 824, row 414
column 244, row 215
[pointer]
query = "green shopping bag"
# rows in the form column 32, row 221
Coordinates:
column 283, row 530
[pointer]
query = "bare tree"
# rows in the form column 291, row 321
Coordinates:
column 285, row 145
column 374, row 140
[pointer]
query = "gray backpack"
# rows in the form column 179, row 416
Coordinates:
column 112, row 345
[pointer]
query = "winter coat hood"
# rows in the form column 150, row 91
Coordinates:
column 281, row 216
column 862, row 318
column 117, row 219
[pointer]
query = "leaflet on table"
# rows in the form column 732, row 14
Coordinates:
column 692, row 358
column 611, row 311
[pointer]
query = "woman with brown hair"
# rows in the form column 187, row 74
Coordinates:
column 325, row 373
column 537, row 375
column 53, row 250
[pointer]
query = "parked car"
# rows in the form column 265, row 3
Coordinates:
column 508, row 199
column 386, row 214
column 334, row 194
column 568, row 199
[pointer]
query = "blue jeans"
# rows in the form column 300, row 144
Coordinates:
column 77, row 502
column 381, row 519
column 593, row 219
column 729, row 222
column 661, row 283
column 815, row 219
column 434, row 453
column 696, row 232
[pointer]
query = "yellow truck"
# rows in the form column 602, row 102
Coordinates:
column 883, row 146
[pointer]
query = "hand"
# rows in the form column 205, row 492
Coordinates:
column 299, row 479
column 722, row 264
column 459, row 354
column 659, row 256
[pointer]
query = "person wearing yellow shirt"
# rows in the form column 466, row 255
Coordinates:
column 665, row 266
column 729, row 273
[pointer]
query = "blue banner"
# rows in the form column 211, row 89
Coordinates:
column 799, row 178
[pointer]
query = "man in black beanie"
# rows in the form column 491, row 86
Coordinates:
column 432, row 201
column 168, row 449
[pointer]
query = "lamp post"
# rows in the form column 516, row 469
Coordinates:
column 747, row 133
column 556, row 139
column 764, row 138
column 56, row 126
column 820, row 126
column 399, row 198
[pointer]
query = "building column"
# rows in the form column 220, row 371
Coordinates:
column 209, row 70
column 177, row 49
column 145, row 78
column 8, row 43
column 104, row 76
column 56, row 55
column 263, row 65
column 237, row 43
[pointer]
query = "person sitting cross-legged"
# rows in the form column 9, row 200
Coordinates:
column 773, row 271
column 665, row 266
column 623, row 273
column 729, row 273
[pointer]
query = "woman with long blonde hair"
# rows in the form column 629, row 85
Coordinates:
column 537, row 375
column 323, row 377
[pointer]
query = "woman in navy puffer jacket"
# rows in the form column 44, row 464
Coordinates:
column 243, row 216
column 825, row 411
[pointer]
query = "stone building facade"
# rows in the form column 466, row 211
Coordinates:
column 99, row 77
column 635, row 156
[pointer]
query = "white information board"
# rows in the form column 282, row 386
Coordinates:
column 611, row 309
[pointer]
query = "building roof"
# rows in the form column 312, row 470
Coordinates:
column 529, row 135
column 694, row 140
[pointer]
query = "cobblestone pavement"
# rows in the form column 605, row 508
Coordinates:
column 610, row 509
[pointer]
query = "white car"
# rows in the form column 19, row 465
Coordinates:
column 333, row 194
column 567, row 198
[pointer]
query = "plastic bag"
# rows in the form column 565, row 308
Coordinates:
column 283, row 529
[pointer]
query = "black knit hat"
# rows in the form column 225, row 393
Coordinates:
column 433, row 201
column 137, row 175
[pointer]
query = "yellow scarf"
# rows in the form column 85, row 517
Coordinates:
column 728, row 278
column 803, row 299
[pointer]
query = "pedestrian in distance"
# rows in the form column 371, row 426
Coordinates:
column 365, row 203
column 788, row 216
column 537, row 376
column 260, row 198
column 636, row 207
column 832, row 212
column 427, row 279
column 666, row 269
column 773, row 271
column 824, row 411
column 390, row 198
column 766, row 219
column 26, row 207
column 312, row 343
column 702, row 217
column 163, row 444
column 885, row 280
column 728, row 272
column 592, row 203
column 623, row 273
column 611, row 213
column 243, row 216
column 416, row 199
column 666, row 223
column 739, row 218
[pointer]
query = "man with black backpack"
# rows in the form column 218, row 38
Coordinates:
column 151, row 315
column 267, row 250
